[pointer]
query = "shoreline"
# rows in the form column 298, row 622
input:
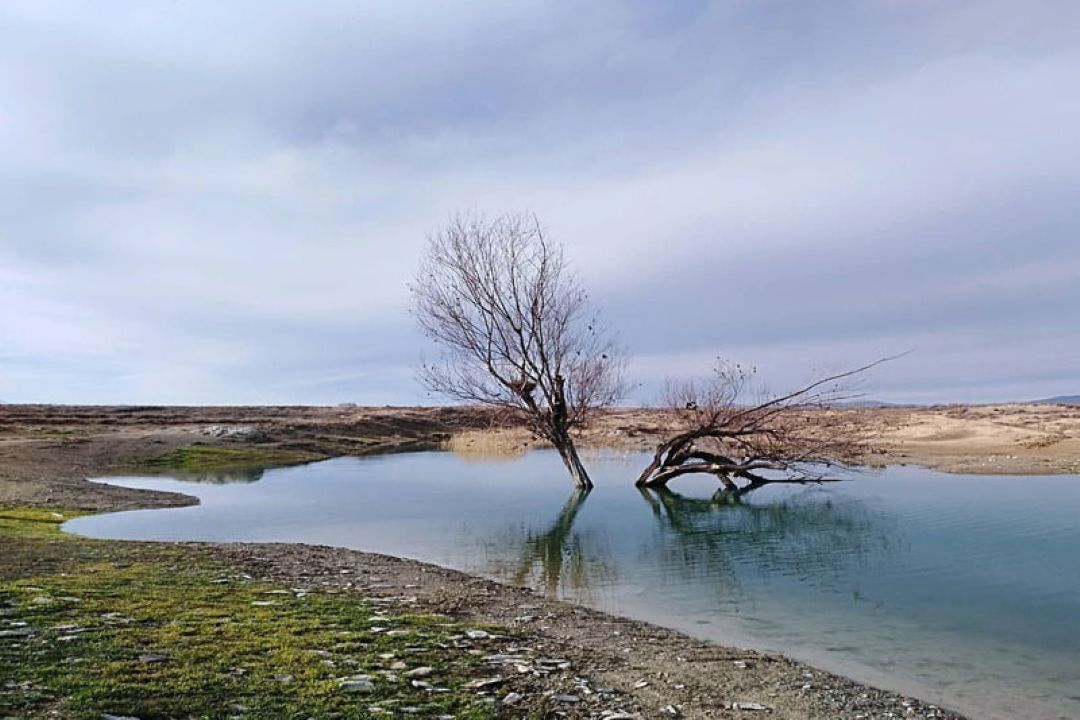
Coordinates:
column 696, row 678
column 853, row 673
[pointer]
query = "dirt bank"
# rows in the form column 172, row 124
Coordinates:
column 47, row 452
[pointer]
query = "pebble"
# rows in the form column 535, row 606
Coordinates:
column 569, row 699
column 484, row 683
column 17, row 632
column 749, row 706
column 504, row 659
column 512, row 698
column 420, row 672
column 358, row 683
column 153, row 658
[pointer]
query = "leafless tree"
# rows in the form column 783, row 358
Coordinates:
column 515, row 329
column 791, row 438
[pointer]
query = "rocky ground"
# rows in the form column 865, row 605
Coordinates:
column 537, row 657
column 569, row 661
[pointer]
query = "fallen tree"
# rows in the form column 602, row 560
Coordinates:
column 796, row 437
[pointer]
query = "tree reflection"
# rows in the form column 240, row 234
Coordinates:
column 558, row 557
column 221, row 476
column 815, row 538
column 708, row 545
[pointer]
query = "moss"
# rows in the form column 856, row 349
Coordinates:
column 22, row 522
column 158, row 631
column 212, row 457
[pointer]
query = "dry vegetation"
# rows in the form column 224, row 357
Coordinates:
column 1019, row 439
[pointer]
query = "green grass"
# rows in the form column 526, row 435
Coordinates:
column 212, row 457
column 23, row 522
column 160, row 631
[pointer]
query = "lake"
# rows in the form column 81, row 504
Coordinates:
column 963, row 590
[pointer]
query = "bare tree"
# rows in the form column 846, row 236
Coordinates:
column 515, row 328
column 790, row 438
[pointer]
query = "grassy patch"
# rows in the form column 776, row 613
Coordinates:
column 197, row 458
column 22, row 522
column 159, row 631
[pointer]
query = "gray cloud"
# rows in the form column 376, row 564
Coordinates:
column 209, row 202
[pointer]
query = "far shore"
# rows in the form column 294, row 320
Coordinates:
column 48, row 452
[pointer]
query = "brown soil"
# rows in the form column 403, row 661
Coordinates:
column 47, row 452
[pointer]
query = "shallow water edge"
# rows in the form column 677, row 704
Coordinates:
column 834, row 557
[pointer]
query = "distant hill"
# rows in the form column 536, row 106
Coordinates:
column 1059, row 400
column 868, row 404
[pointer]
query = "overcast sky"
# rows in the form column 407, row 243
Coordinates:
column 222, row 202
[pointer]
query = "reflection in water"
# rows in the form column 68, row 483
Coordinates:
column 545, row 556
column 715, row 542
column 963, row 586
column 221, row 476
column 810, row 539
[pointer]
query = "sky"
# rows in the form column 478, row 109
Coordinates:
column 217, row 203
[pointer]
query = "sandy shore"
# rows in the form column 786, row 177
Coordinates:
column 47, row 452
column 1013, row 439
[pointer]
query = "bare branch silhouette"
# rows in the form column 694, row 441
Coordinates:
column 515, row 328
column 796, row 436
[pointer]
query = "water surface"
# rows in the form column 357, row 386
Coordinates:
column 964, row 590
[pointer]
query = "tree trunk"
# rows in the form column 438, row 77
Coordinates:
column 573, row 463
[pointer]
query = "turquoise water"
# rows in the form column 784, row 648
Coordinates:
column 964, row 590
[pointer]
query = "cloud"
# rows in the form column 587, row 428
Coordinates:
column 224, row 202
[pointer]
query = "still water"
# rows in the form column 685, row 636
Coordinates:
column 964, row 590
